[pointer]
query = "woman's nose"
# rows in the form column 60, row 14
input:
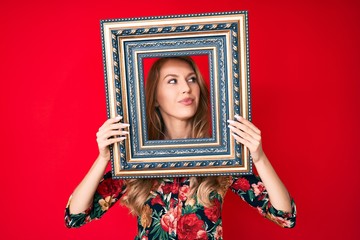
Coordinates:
column 185, row 88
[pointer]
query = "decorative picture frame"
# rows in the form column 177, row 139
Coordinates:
column 222, row 40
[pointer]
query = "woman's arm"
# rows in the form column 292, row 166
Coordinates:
column 109, row 133
column 246, row 133
column 82, row 197
column 278, row 195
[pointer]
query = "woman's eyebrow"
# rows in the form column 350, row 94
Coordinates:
column 192, row 73
column 175, row 75
column 170, row 75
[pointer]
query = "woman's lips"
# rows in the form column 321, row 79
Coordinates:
column 186, row 101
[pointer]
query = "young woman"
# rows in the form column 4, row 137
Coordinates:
column 179, row 208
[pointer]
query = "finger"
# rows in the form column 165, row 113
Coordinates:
column 113, row 133
column 110, row 141
column 241, row 140
column 251, row 146
column 247, row 123
column 242, row 127
column 115, row 126
column 110, row 121
column 115, row 140
column 118, row 126
column 242, row 134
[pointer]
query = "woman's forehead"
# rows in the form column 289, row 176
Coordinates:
column 175, row 65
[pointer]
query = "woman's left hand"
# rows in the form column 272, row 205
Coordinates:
column 246, row 133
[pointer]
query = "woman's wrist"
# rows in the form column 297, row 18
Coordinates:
column 258, row 158
column 103, row 158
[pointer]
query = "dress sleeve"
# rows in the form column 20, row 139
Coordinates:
column 107, row 194
column 251, row 189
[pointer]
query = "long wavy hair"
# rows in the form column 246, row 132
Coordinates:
column 138, row 190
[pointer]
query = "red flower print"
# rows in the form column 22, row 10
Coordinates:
column 219, row 233
column 171, row 188
column 183, row 192
column 214, row 212
column 261, row 211
column 242, row 184
column 157, row 200
column 283, row 222
column 183, row 179
column 169, row 220
column 279, row 220
column 106, row 203
column 110, row 187
column 201, row 235
column 258, row 188
column 261, row 197
column 172, row 202
column 87, row 219
column 188, row 226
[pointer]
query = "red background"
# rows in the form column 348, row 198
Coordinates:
column 304, row 58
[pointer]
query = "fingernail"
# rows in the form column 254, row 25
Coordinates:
column 126, row 124
column 229, row 126
column 238, row 117
column 230, row 121
column 118, row 117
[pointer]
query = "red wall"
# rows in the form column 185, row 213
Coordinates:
column 304, row 58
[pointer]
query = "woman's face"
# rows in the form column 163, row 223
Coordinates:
column 178, row 91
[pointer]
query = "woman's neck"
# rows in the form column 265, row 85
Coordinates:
column 178, row 129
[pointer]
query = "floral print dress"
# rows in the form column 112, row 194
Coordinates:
column 169, row 213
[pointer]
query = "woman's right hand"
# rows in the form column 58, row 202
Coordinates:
column 112, row 131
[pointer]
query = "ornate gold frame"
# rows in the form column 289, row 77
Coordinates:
column 221, row 36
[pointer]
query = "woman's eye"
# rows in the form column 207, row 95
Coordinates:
column 172, row 81
column 192, row 79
